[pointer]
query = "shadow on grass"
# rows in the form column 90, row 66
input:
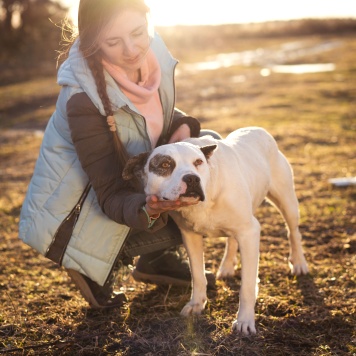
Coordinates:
column 311, row 330
column 150, row 326
column 9, row 115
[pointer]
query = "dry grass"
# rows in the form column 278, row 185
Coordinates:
column 313, row 118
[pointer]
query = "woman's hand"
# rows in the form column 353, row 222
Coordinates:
column 154, row 206
column 180, row 134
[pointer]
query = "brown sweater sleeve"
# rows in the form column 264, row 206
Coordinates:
column 180, row 118
column 94, row 145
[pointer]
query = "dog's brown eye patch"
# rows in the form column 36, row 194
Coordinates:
column 198, row 162
column 162, row 165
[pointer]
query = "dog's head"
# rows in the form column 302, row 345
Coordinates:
column 174, row 171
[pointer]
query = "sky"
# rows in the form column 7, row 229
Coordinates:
column 199, row 12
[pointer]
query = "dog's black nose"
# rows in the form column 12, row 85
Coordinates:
column 191, row 179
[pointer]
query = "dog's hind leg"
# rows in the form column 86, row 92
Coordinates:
column 282, row 195
column 229, row 261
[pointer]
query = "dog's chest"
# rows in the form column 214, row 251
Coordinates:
column 205, row 222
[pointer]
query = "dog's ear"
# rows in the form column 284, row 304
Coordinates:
column 208, row 150
column 134, row 166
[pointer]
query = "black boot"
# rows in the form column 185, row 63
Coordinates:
column 166, row 267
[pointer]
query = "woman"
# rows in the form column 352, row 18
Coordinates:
column 117, row 100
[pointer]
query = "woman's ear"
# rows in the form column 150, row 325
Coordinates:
column 134, row 166
column 208, row 150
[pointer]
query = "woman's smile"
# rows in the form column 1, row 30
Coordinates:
column 134, row 60
column 126, row 43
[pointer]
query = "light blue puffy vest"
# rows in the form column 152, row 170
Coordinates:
column 59, row 180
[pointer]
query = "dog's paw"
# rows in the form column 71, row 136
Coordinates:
column 192, row 308
column 298, row 266
column 225, row 272
column 246, row 327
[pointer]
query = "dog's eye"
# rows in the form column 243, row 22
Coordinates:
column 165, row 165
column 198, row 162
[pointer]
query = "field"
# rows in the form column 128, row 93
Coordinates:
column 313, row 118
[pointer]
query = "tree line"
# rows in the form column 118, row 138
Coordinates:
column 30, row 32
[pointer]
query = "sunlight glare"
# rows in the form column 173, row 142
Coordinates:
column 202, row 12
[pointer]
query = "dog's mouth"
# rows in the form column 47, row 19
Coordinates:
column 196, row 194
column 192, row 194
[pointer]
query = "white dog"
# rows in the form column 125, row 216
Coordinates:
column 230, row 178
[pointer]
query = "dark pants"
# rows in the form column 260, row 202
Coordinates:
column 142, row 242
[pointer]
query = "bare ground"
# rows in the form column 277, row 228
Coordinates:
column 313, row 118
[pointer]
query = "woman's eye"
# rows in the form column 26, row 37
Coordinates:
column 138, row 34
column 113, row 44
column 198, row 162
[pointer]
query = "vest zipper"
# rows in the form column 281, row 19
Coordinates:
column 132, row 112
column 62, row 236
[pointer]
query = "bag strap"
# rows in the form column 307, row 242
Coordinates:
column 58, row 246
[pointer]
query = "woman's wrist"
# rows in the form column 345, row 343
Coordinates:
column 151, row 217
column 150, row 212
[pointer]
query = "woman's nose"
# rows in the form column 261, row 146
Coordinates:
column 129, row 48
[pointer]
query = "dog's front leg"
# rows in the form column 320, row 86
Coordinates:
column 249, row 241
column 194, row 246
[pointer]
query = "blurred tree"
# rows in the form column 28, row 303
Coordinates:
column 8, row 10
column 12, row 9
column 30, row 33
column 32, row 17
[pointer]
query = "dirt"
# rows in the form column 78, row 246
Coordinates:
column 313, row 118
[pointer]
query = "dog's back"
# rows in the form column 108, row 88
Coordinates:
column 247, row 140
column 246, row 159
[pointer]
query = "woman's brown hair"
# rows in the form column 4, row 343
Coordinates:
column 93, row 15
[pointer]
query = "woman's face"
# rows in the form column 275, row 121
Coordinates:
column 125, row 41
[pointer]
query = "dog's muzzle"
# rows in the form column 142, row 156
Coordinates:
column 194, row 189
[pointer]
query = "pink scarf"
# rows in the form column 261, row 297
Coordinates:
column 143, row 95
